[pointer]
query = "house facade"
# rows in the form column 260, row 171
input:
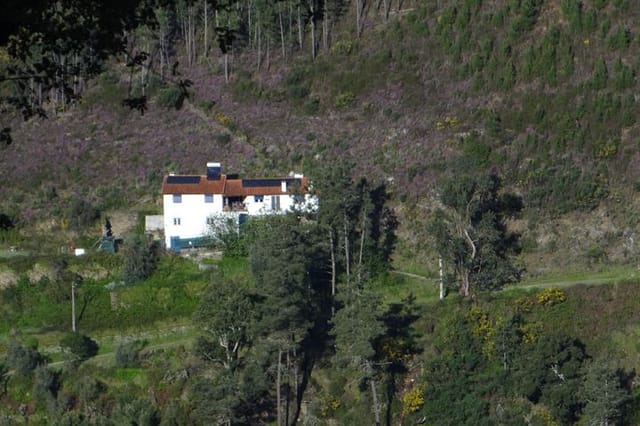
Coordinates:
column 193, row 203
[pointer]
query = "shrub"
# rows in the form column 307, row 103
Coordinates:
column 296, row 83
column 620, row 39
column 5, row 222
column 128, row 354
column 344, row 100
column 224, row 120
column 46, row 384
column 81, row 347
column 312, row 106
column 23, row 359
column 342, row 47
column 413, row 400
column 140, row 260
column 476, row 154
column 170, row 97
column 550, row 296
column 81, row 214
column 493, row 122
column 624, row 75
column 244, row 88
column 599, row 4
column 223, row 138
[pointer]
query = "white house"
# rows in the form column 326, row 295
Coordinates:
column 192, row 203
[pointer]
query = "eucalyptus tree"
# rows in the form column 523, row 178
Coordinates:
column 226, row 317
column 471, row 233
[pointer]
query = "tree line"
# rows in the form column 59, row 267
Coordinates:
column 310, row 296
column 50, row 51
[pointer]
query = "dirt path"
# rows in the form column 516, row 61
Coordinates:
column 533, row 285
column 416, row 276
column 564, row 284
column 109, row 357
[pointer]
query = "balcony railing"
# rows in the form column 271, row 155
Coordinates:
column 235, row 207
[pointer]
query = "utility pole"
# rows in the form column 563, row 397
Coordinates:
column 73, row 306
column 441, row 278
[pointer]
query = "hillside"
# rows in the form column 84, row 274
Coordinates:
column 539, row 92
column 332, row 320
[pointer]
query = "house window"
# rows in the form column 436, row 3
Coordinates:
column 211, row 221
column 176, row 221
column 177, row 198
column 208, row 198
column 258, row 198
column 298, row 198
column 275, row 202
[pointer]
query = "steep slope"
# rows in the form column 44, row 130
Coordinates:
column 541, row 92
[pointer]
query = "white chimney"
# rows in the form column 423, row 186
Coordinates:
column 283, row 186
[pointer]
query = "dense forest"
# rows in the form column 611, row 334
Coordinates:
column 487, row 147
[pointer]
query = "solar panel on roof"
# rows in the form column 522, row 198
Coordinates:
column 253, row 183
column 183, row 179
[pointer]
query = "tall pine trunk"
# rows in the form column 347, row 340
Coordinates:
column 299, row 28
column 346, row 246
column 206, row 32
column 332, row 259
column 278, row 395
column 374, row 396
column 313, row 30
column 282, row 46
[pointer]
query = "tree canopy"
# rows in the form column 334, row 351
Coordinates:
column 471, row 232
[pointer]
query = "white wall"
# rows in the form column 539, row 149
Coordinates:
column 287, row 202
column 192, row 213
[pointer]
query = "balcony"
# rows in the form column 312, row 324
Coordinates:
column 234, row 207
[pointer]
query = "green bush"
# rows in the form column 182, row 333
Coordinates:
column 170, row 97
column 344, row 100
column 46, row 384
column 572, row 10
column 563, row 189
column 476, row 153
column 140, row 260
column 128, row 354
column 297, row 85
column 599, row 4
column 80, row 347
column 600, row 75
column 223, row 139
column 23, row 359
column 81, row 213
column 620, row 39
column 492, row 122
column 624, row 75
column 590, row 21
column 244, row 88
column 312, row 106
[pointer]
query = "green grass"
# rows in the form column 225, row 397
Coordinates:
column 394, row 288
column 129, row 375
column 606, row 275
column 235, row 268
column 7, row 253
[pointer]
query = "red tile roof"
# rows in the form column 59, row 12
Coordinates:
column 230, row 187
